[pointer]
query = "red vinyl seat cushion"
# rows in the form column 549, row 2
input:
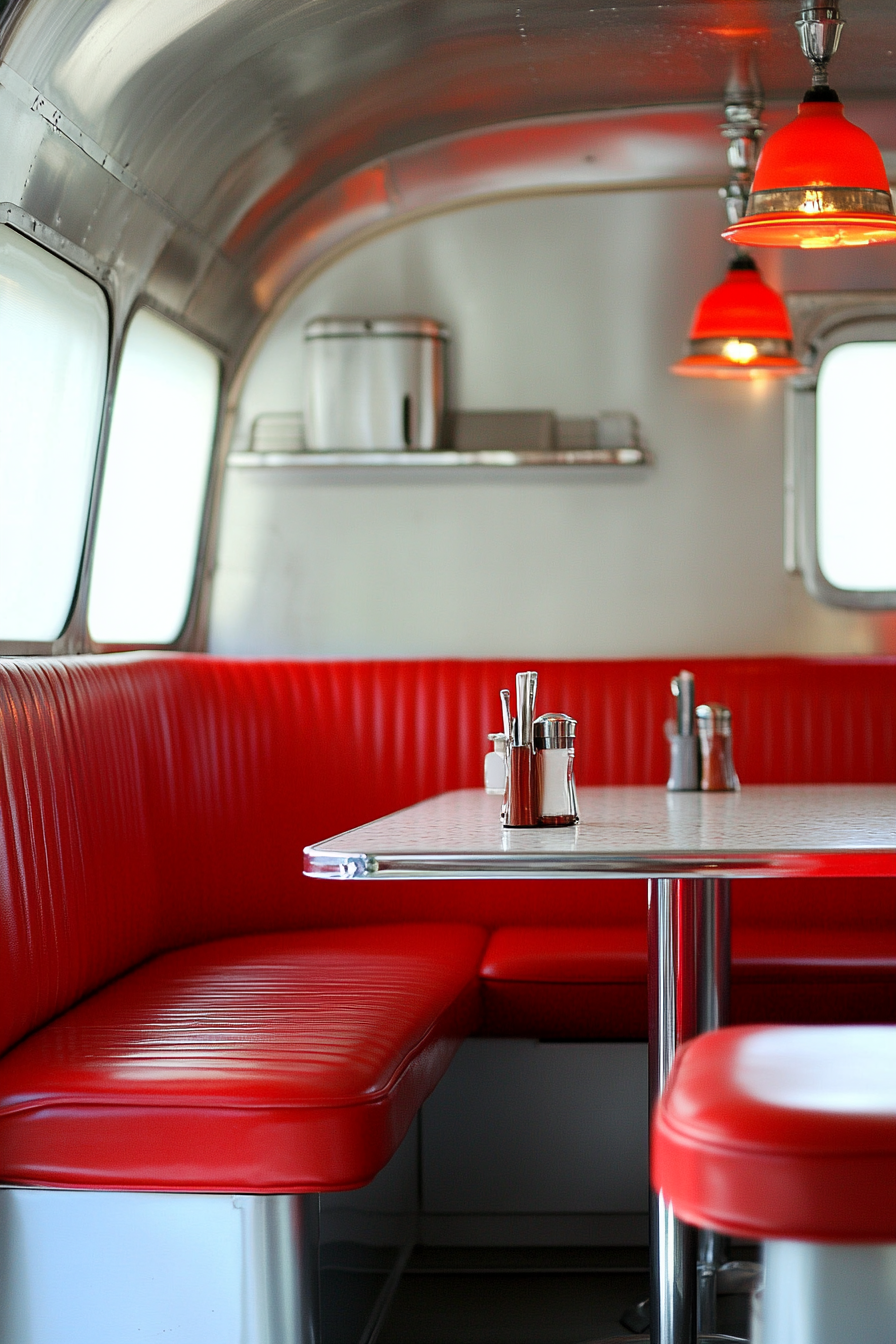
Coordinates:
column 566, row 983
column 586, row 982
column 615, row 955
column 285, row 1062
column 782, row 1132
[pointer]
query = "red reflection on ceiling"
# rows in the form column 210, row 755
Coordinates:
column 359, row 200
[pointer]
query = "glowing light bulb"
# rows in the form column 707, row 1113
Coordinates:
column 740, row 352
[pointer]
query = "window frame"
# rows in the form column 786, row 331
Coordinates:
column 191, row 633
column 822, row 322
column 68, row 640
column 74, row 637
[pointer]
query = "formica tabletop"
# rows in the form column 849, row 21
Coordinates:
column 797, row 830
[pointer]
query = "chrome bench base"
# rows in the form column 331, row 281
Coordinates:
column 110, row 1267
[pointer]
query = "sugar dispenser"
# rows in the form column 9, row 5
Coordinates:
column 554, row 738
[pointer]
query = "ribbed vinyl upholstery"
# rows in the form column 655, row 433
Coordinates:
column 150, row 802
column 277, row 1062
column 79, row 898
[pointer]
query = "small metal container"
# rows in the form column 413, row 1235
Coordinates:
column 554, row 737
column 374, row 384
column 717, row 764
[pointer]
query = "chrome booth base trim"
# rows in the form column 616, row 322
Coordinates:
column 634, row 1339
column 98, row 1267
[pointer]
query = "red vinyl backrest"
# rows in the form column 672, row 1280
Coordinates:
column 78, row 890
column 150, row 801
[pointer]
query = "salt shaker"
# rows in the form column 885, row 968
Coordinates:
column 496, row 764
column 714, row 726
column 554, row 738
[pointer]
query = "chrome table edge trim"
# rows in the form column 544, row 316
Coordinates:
column 787, row 863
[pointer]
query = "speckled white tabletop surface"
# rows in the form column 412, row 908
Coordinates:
column 765, row 830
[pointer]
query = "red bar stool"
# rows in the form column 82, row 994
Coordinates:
column 787, row 1135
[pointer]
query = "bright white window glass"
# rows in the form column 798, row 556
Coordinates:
column 54, row 338
column 154, row 484
column 856, row 466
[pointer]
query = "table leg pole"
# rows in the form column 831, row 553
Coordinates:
column 714, row 972
column 714, row 954
column 674, row 921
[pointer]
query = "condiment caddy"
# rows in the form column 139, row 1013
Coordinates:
column 531, row 761
column 699, row 743
column 537, row 755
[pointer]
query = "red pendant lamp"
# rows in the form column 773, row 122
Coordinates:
column 820, row 180
column 740, row 330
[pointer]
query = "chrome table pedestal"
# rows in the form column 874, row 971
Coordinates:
column 689, row 956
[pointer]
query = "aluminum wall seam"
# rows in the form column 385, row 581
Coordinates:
column 35, row 101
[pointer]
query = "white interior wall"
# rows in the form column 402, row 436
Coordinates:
column 575, row 303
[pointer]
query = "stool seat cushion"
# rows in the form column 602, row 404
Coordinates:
column 269, row 1063
column 782, row 1133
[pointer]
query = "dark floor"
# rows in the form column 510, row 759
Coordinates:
column 541, row 1295
column 544, row 1295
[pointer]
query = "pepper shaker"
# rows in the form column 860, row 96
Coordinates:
column 718, row 773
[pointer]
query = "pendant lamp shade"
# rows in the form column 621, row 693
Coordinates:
column 740, row 330
column 820, row 182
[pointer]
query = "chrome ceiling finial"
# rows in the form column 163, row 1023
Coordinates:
column 819, row 27
column 742, row 128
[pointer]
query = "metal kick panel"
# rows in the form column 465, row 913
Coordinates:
column 95, row 1267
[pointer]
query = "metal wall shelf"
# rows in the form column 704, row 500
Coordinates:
column 626, row 458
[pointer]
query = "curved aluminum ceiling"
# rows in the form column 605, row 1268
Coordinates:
column 192, row 138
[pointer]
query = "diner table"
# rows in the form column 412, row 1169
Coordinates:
column 687, row 846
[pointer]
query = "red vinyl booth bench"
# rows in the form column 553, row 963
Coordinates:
column 184, row 1012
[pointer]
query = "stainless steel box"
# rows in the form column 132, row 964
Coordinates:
column 374, row 384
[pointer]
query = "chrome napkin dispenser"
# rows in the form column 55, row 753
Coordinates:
column 684, row 745
column 699, row 738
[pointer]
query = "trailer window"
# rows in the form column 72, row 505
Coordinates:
column 54, row 336
column 856, row 466
column 154, row 484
